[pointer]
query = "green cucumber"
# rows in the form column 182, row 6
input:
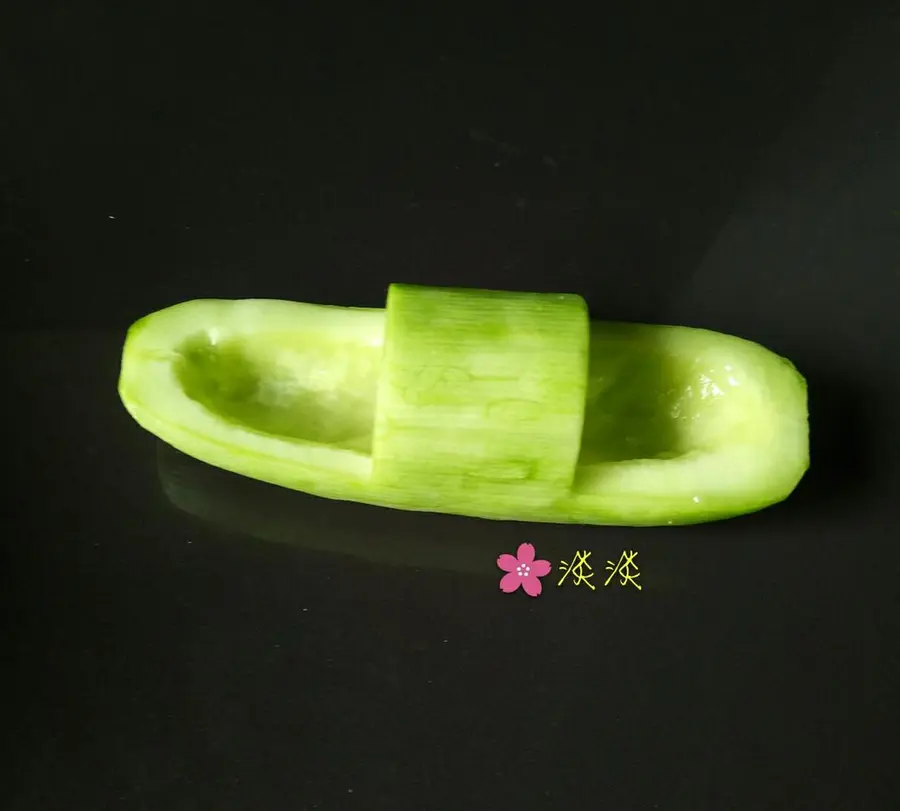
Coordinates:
column 499, row 405
column 480, row 397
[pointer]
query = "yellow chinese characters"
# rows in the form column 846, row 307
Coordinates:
column 581, row 570
column 627, row 570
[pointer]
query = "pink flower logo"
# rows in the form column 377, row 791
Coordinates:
column 523, row 570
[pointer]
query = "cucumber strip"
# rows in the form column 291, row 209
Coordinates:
column 680, row 425
column 481, row 397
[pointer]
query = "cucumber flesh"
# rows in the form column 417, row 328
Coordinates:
column 481, row 397
column 680, row 425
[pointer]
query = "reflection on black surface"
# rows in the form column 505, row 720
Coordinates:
column 275, row 514
column 672, row 559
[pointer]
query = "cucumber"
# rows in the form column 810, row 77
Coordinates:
column 491, row 404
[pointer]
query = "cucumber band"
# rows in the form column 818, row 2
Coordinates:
column 481, row 392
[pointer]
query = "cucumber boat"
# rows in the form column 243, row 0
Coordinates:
column 492, row 404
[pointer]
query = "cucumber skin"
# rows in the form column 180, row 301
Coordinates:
column 349, row 480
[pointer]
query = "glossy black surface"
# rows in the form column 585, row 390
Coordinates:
column 179, row 638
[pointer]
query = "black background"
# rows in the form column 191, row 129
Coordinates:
column 182, row 639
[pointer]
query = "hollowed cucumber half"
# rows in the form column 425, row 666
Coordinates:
column 499, row 405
